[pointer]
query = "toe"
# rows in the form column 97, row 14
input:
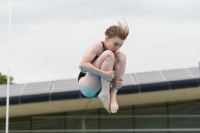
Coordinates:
column 112, row 110
column 116, row 110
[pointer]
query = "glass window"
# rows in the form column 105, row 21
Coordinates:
column 182, row 111
column 150, row 122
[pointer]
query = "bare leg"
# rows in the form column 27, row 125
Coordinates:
column 104, row 95
column 119, row 68
column 90, row 84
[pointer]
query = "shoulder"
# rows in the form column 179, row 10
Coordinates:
column 95, row 47
column 97, row 44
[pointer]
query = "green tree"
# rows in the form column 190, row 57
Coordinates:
column 3, row 79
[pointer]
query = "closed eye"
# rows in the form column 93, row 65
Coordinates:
column 116, row 44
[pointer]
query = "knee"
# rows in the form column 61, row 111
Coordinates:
column 121, row 57
column 109, row 54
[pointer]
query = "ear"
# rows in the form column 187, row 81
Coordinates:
column 107, row 38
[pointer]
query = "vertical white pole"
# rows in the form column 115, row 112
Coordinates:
column 8, row 73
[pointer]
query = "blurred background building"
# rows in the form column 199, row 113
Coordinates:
column 167, row 99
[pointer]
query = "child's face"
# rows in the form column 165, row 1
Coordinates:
column 114, row 44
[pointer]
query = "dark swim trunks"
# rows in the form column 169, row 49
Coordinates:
column 81, row 74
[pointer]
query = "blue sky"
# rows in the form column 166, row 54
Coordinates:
column 49, row 37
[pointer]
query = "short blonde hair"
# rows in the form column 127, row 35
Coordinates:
column 119, row 30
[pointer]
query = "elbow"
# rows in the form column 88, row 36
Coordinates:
column 81, row 65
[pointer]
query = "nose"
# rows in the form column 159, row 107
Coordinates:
column 117, row 47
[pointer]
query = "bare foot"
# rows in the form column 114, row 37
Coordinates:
column 113, row 105
column 105, row 99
